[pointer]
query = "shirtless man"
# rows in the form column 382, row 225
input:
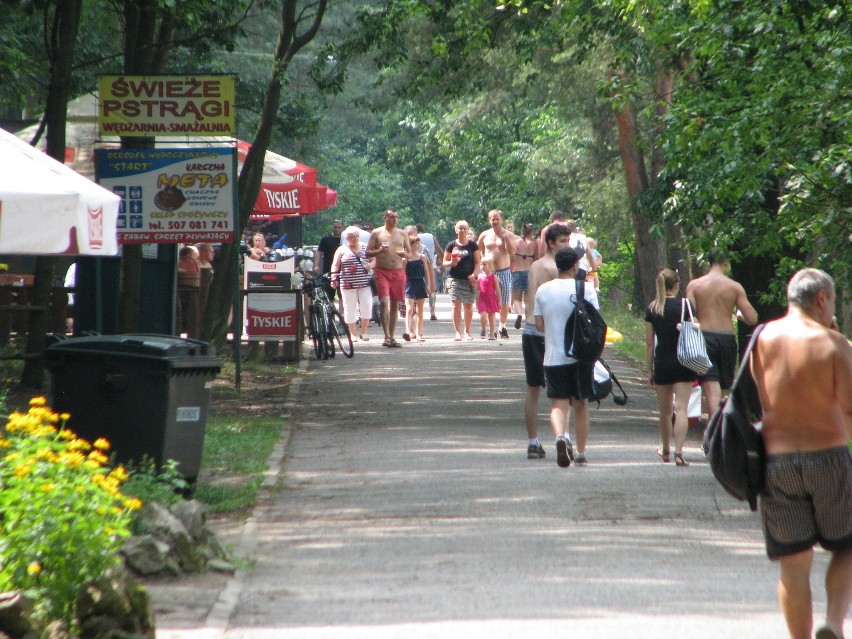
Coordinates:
column 388, row 244
column 714, row 297
column 532, row 341
column 498, row 244
column 803, row 369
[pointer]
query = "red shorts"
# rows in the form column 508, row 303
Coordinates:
column 390, row 283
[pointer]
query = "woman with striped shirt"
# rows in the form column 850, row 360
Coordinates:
column 350, row 274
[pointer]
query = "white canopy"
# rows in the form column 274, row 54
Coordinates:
column 48, row 209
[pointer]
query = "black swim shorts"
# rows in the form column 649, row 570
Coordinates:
column 572, row 381
column 532, row 346
column 722, row 351
column 807, row 500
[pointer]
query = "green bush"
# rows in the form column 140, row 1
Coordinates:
column 62, row 515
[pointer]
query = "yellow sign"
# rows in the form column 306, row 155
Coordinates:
column 167, row 105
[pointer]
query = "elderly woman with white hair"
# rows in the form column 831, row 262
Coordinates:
column 350, row 274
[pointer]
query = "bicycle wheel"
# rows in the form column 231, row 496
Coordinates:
column 318, row 335
column 341, row 333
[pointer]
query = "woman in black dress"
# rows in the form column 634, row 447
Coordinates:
column 672, row 381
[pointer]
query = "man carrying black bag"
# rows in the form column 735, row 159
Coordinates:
column 569, row 381
column 803, row 370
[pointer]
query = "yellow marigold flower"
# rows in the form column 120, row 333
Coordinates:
column 72, row 459
column 5, row 443
column 67, row 434
column 133, row 503
column 99, row 457
column 101, row 444
column 38, row 401
column 47, row 487
column 46, row 454
column 119, row 473
column 22, row 470
column 79, row 444
column 91, row 464
column 64, row 416
column 53, row 418
column 34, row 568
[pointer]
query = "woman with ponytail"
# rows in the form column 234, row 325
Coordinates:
column 672, row 381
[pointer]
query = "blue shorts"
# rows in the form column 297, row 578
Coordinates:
column 520, row 280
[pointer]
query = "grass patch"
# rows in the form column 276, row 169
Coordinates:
column 236, row 449
column 631, row 327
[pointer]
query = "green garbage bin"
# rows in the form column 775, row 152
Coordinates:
column 148, row 395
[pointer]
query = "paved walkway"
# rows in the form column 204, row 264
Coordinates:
column 402, row 504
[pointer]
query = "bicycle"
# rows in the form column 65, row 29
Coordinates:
column 325, row 323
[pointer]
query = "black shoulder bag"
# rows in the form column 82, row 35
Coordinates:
column 734, row 444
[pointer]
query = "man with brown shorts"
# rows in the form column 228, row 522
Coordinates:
column 715, row 297
column 803, row 369
column 388, row 244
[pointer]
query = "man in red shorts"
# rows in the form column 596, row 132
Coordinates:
column 388, row 244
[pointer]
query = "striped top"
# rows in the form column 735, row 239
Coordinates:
column 352, row 272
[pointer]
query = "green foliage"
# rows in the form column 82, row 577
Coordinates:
column 63, row 516
column 760, row 144
column 148, row 484
column 235, row 448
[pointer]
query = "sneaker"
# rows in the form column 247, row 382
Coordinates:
column 826, row 633
column 580, row 459
column 564, row 452
column 491, row 338
column 535, row 451
column 518, row 322
column 504, row 333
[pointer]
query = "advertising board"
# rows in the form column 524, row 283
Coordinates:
column 171, row 195
column 166, row 105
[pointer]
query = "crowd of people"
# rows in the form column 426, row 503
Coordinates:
column 802, row 365
column 399, row 269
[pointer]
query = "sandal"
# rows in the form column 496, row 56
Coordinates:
column 679, row 460
column 394, row 344
column 364, row 338
column 664, row 454
column 406, row 337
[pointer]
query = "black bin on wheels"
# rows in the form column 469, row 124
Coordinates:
column 148, row 395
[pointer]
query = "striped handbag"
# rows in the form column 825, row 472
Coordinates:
column 691, row 349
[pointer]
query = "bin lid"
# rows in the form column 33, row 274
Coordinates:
column 178, row 351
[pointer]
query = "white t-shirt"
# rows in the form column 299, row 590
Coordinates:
column 578, row 240
column 554, row 301
column 427, row 241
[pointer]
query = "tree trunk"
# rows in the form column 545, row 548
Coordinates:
column 146, row 49
column 676, row 252
column 649, row 250
column 62, row 39
column 222, row 289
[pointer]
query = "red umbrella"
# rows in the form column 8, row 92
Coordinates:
column 287, row 188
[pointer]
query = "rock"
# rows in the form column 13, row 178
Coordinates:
column 15, row 613
column 220, row 565
column 147, row 555
column 115, row 606
column 158, row 521
column 191, row 514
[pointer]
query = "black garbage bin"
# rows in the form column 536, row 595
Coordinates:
column 148, row 395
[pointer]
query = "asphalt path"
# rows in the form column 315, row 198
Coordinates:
column 401, row 503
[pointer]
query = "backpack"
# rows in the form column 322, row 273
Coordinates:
column 602, row 383
column 734, row 445
column 585, row 330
